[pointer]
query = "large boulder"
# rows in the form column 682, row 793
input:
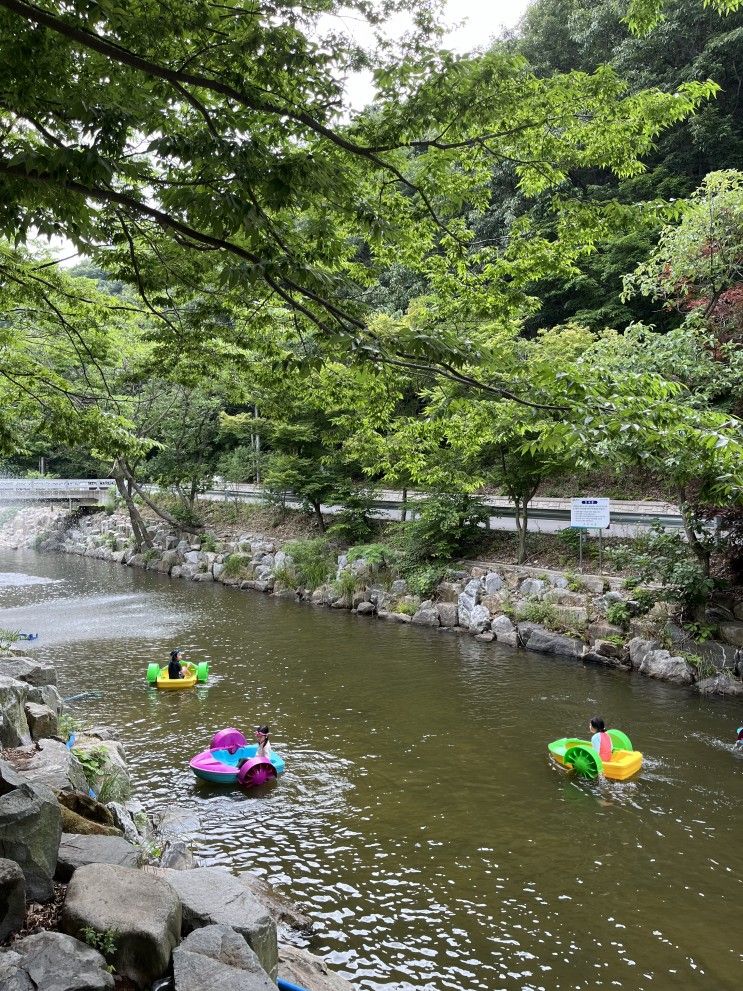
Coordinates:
column 545, row 642
column 448, row 613
column 212, row 896
column 427, row 615
column 479, row 619
column 14, row 730
column 84, row 815
column 732, row 633
column 661, row 665
column 505, row 632
column 468, row 599
column 308, row 971
column 218, row 957
column 42, row 721
column 29, row 670
column 50, row 763
column 282, row 910
column 51, row 961
column 113, row 775
column 178, row 856
column 493, row 583
column 12, row 898
column 30, row 830
column 144, row 911
column 721, row 684
column 76, row 850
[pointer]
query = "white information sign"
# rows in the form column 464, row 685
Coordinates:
column 593, row 514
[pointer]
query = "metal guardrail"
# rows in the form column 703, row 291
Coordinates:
column 54, row 489
column 623, row 513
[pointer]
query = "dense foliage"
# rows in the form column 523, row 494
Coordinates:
column 511, row 267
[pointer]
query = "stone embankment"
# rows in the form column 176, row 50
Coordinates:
column 589, row 618
column 127, row 904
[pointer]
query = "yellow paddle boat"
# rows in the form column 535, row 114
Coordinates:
column 195, row 674
column 579, row 756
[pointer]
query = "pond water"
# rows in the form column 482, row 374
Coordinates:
column 419, row 819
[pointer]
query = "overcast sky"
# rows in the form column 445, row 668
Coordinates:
column 473, row 24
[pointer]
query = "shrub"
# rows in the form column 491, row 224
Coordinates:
column 285, row 576
column 313, row 561
column 346, row 584
column 106, row 942
column 700, row 631
column 236, row 565
column 618, row 614
column 352, row 522
column 703, row 666
column 377, row 556
column 664, row 557
column 575, row 584
column 424, row 579
column 110, row 502
column 539, row 612
column 447, row 527
column 67, row 724
column 102, row 777
column 7, row 638
column 406, row 608
column 645, row 599
column 208, row 543
column 149, row 555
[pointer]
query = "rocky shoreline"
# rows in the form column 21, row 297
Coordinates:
column 96, row 894
column 545, row 611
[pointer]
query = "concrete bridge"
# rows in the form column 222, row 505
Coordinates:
column 73, row 491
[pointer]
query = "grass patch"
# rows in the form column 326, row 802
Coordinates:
column 237, row 566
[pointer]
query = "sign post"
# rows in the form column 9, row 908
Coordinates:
column 590, row 514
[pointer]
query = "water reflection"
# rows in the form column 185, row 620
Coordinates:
column 419, row 819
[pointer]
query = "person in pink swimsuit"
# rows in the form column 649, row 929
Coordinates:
column 600, row 739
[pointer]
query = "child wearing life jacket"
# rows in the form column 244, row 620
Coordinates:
column 600, row 740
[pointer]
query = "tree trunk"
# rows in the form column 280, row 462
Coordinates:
column 700, row 551
column 162, row 513
column 521, row 539
column 522, row 530
column 404, row 507
column 318, row 515
column 139, row 530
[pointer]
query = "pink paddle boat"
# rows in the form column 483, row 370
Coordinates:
column 231, row 760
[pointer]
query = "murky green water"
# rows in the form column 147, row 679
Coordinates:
column 419, row 819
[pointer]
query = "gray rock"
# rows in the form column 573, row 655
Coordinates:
column 504, row 630
column 564, row 597
column 395, row 617
column 721, row 684
column 178, row 856
column 177, row 824
column 573, row 616
column 427, row 615
column 558, row 581
column 13, row 726
column 468, row 599
column 123, row 820
column 212, row 896
column 42, row 721
column 28, row 669
column 76, row 850
column 532, row 588
column 732, row 633
column 661, row 665
column 52, row 961
column 114, row 771
column 607, row 649
column 308, row 971
column 218, row 957
column 399, row 587
column 144, row 911
column 12, row 898
column 282, row 910
column 479, row 619
column 609, row 599
column 448, row 592
column 493, row 583
column 30, row 829
column 738, row 610
column 448, row 613
column 50, row 763
column 217, row 570
column 46, row 695
column 545, row 642
column 593, row 583
column 366, row 608
column 638, row 649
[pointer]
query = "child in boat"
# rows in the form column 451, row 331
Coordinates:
column 264, row 747
column 174, row 667
column 600, row 740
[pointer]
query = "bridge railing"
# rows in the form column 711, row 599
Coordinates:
column 54, row 488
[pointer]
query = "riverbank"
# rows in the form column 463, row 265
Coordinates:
column 95, row 893
column 592, row 619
